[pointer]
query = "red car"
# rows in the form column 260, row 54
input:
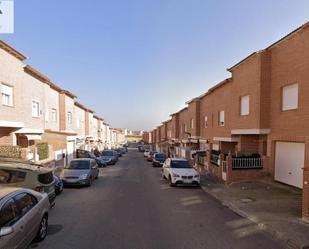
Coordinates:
column 151, row 155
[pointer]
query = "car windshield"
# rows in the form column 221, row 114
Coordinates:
column 180, row 164
column 107, row 153
column 160, row 156
column 78, row 165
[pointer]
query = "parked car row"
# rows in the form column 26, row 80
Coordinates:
column 177, row 171
column 28, row 191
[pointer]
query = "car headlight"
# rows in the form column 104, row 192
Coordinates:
column 175, row 175
column 84, row 176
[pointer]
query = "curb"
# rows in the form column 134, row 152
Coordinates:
column 291, row 244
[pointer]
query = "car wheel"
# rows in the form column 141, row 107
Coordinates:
column 42, row 229
column 170, row 179
column 89, row 182
column 163, row 176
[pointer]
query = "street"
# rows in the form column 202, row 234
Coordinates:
column 131, row 207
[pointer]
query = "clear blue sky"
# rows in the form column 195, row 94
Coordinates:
column 137, row 61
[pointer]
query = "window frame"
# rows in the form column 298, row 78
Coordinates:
column 70, row 118
column 205, row 121
column 54, row 115
column 11, row 96
column 38, row 108
column 241, row 111
column 221, row 123
column 282, row 97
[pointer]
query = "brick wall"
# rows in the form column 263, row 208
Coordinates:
column 6, row 136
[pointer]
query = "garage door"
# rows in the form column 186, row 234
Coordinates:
column 289, row 162
column 70, row 151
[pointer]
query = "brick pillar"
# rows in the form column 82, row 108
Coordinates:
column 62, row 112
column 305, row 202
column 229, row 176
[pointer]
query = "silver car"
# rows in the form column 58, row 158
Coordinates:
column 80, row 171
column 23, row 217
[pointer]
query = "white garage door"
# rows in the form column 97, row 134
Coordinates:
column 70, row 151
column 289, row 162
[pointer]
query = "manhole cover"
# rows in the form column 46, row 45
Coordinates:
column 247, row 200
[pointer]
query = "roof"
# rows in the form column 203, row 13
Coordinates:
column 193, row 100
column 83, row 107
column 36, row 74
column 302, row 27
column 210, row 90
column 24, row 165
column 6, row 47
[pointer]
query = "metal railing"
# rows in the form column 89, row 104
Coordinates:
column 247, row 163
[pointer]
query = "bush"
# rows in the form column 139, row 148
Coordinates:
column 42, row 151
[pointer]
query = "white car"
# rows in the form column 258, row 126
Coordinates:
column 146, row 153
column 179, row 171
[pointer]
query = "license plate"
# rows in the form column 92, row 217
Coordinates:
column 187, row 181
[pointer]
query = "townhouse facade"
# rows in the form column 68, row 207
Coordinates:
column 254, row 124
column 39, row 120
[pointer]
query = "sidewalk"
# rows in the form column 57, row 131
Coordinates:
column 273, row 206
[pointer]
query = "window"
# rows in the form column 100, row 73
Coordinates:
column 70, row 118
column 8, row 214
column 221, row 118
column 35, row 108
column 25, row 202
column 205, row 122
column 290, row 97
column 192, row 123
column 11, row 176
column 244, row 105
column 7, row 95
column 78, row 123
column 54, row 115
column 169, row 133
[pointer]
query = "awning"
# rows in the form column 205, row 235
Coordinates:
column 10, row 124
column 34, row 137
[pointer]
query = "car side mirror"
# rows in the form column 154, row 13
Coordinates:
column 4, row 231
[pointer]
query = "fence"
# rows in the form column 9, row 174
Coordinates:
column 247, row 163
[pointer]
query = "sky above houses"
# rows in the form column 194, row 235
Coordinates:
column 136, row 61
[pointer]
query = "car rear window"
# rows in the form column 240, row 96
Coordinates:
column 78, row 164
column 107, row 153
column 46, row 178
column 160, row 156
column 11, row 176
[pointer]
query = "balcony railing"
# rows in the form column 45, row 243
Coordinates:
column 247, row 163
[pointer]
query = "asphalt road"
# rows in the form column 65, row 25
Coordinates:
column 131, row 207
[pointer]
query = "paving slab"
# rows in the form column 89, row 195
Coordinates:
column 275, row 207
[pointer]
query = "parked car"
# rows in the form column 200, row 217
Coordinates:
column 80, row 171
column 179, row 171
column 23, row 217
column 150, row 156
column 58, row 185
column 146, row 153
column 119, row 152
column 124, row 150
column 109, row 156
column 88, row 154
column 14, row 173
column 158, row 159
